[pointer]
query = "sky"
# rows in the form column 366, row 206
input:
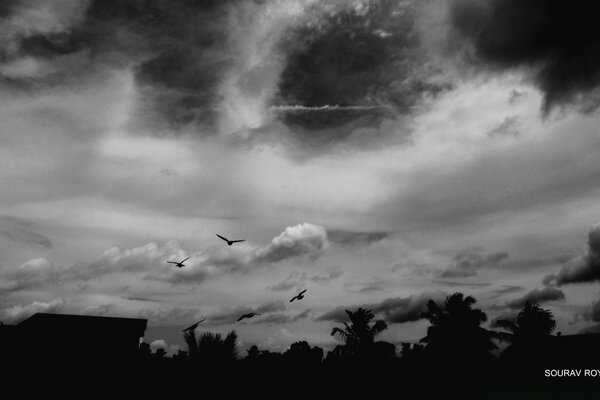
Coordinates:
column 376, row 153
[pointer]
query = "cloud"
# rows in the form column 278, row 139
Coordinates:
column 166, row 316
column 231, row 316
column 592, row 312
column 18, row 313
column 282, row 318
column 585, row 268
column 22, row 231
column 298, row 240
column 590, row 330
column 556, row 42
column 351, row 65
column 508, row 127
column 506, row 289
column 29, row 275
column 393, row 310
column 351, row 238
column 467, row 262
column 159, row 343
column 149, row 261
column 299, row 279
column 548, row 293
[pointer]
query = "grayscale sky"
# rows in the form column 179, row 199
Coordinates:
column 376, row 153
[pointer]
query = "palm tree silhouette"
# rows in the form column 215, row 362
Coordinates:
column 212, row 348
column 455, row 334
column 359, row 335
column 532, row 322
column 531, row 341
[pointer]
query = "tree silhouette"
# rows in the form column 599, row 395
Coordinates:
column 359, row 335
column 301, row 353
column 532, row 322
column 529, row 336
column 455, row 335
column 211, row 347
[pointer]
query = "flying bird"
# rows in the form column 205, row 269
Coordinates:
column 230, row 242
column 192, row 327
column 299, row 296
column 249, row 315
column 178, row 264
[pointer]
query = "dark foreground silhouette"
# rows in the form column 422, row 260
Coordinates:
column 457, row 358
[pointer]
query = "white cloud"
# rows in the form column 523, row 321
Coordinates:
column 18, row 313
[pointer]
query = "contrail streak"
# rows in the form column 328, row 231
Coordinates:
column 326, row 108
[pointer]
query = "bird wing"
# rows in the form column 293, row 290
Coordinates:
column 223, row 238
column 185, row 260
column 242, row 317
column 172, row 262
column 302, row 292
column 237, row 241
column 293, row 298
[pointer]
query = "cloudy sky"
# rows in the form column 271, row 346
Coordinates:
column 376, row 153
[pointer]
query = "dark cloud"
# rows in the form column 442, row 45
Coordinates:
column 355, row 64
column 557, row 41
column 548, row 293
column 393, row 310
column 177, row 49
column 467, row 262
column 231, row 316
column 22, row 231
column 585, row 268
column 351, row 238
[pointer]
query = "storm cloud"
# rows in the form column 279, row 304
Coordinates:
column 556, row 41
column 585, row 268
column 538, row 296
column 353, row 63
column 393, row 310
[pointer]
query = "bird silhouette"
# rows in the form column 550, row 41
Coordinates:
column 249, row 315
column 178, row 264
column 299, row 296
column 192, row 327
column 230, row 242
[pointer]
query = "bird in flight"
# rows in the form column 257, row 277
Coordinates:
column 192, row 327
column 178, row 264
column 230, row 242
column 299, row 296
column 249, row 315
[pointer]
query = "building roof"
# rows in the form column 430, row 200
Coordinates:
column 64, row 321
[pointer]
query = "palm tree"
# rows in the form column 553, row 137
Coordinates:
column 530, row 337
column 532, row 322
column 359, row 335
column 455, row 328
column 211, row 347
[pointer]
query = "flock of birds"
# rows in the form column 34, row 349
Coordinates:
column 180, row 264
